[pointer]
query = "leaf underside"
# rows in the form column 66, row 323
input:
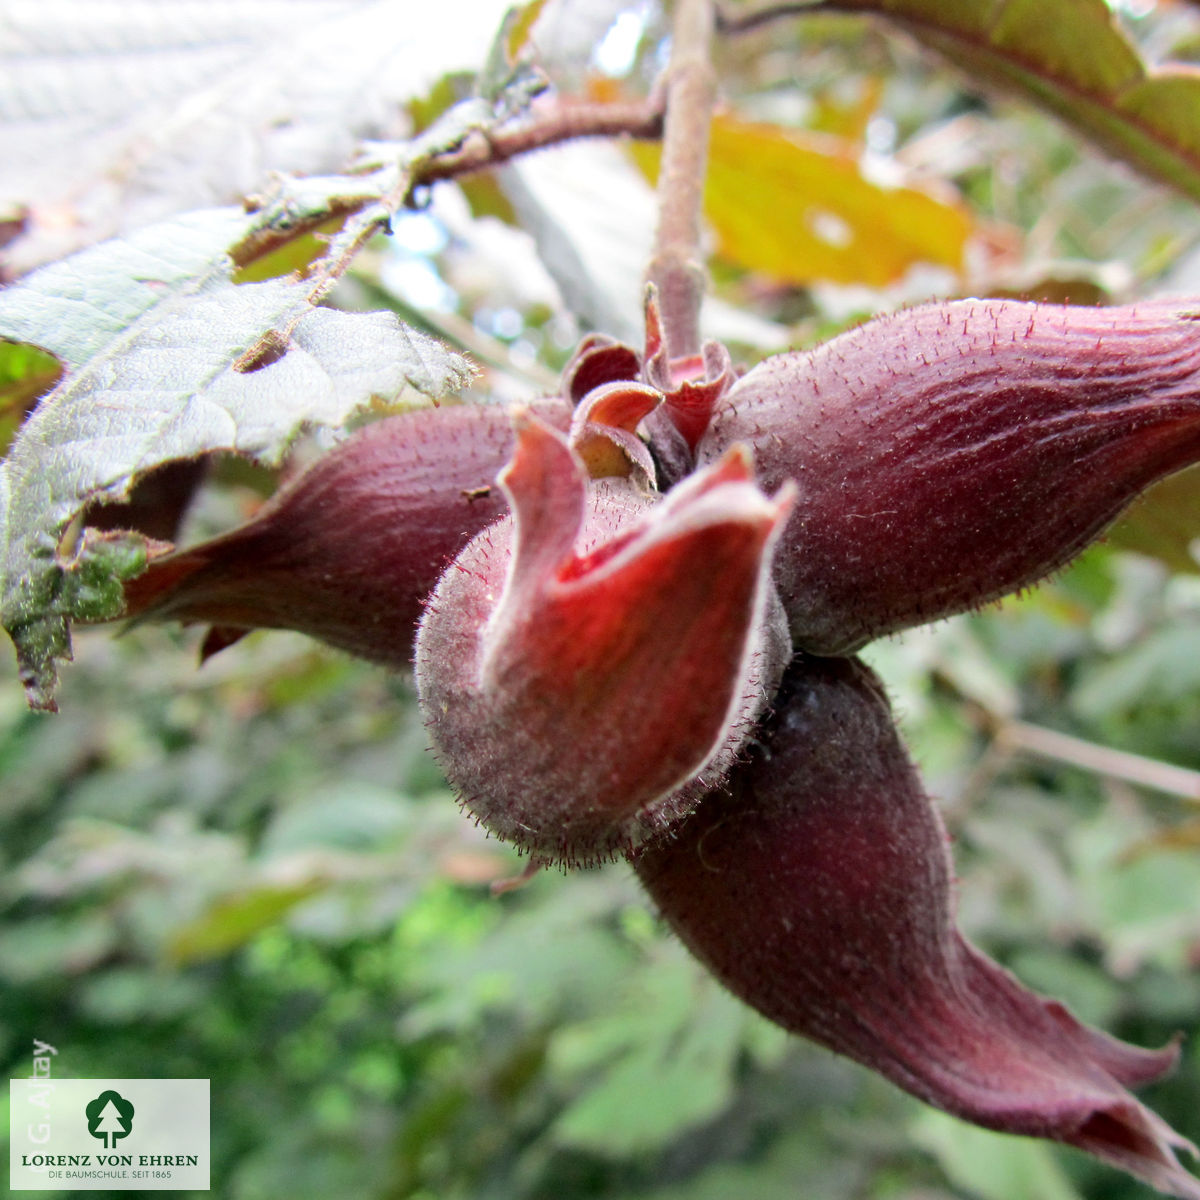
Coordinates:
column 116, row 116
column 151, row 331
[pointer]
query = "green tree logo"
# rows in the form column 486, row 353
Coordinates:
column 109, row 1117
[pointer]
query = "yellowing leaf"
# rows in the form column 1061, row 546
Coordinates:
column 517, row 26
column 846, row 117
column 796, row 207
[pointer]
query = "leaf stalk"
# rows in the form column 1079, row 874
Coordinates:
column 676, row 268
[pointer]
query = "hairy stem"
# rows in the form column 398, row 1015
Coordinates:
column 365, row 215
column 676, row 268
column 566, row 122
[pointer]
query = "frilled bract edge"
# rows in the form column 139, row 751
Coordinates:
column 818, row 889
column 348, row 550
column 591, row 664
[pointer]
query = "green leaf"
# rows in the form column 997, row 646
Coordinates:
column 25, row 374
column 666, row 1056
column 1162, row 668
column 1072, row 58
column 166, row 358
column 803, row 1162
column 349, row 814
column 51, row 946
column 992, row 1166
column 1165, row 523
column 233, row 920
column 1138, row 893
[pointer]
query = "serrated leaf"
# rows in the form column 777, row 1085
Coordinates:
column 796, row 207
column 1072, row 58
column 114, row 116
column 152, row 331
column 75, row 307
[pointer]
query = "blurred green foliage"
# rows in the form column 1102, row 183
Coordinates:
column 254, row 873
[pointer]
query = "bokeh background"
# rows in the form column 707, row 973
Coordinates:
column 253, row 872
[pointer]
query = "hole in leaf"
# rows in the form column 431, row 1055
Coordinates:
column 269, row 348
column 274, row 252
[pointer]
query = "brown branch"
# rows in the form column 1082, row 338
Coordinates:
column 1023, row 738
column 568, row 121
column 1010, row 738
column 366, row 215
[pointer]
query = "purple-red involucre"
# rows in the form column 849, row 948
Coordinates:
column 817, row 888
column 610, row 599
